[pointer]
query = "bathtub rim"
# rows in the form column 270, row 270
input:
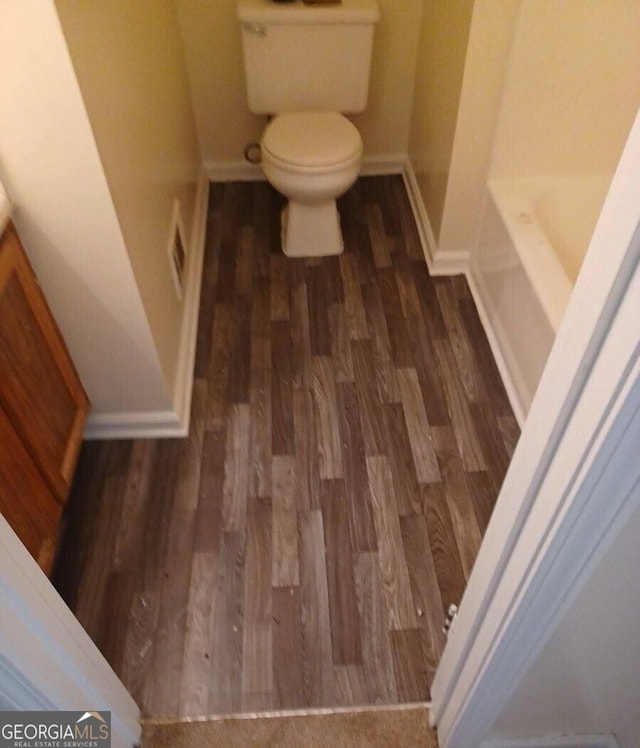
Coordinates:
column 515, row 199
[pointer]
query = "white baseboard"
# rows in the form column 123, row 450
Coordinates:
column 242, row 171
column 556, row 741
column 499, row 356
column 425, row 232
column 450, row 263
column 144, row 425
column 439, row 263
column 234, row 171
column 170, row 423
column 383, row 163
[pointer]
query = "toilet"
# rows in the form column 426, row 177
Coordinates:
column 306, row 66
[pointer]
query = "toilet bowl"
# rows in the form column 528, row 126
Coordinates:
column 312, row 158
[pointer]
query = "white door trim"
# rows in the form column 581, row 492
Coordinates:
column 557, row 741
column 585, row 396
column 46, row 657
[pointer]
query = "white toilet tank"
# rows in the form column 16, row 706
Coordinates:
column 301, row 56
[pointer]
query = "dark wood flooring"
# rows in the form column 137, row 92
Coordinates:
column 349, row 435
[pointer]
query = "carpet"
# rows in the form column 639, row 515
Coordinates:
column 400, row 727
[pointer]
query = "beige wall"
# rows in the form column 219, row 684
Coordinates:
column 63, row 211
column 225, row 125
column 444, row 32
column 572, row 90
column 385, row 123
column 214, row 61
column 129, row 60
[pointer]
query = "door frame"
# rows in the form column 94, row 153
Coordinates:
column 47, row 660
column 554, row 517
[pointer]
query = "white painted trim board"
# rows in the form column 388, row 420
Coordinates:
column 240, row 170
column 132, row 425
column 439, row 263
column 500, row 355
column 556, row 741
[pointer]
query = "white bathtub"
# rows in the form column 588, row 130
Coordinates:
column 534, row 235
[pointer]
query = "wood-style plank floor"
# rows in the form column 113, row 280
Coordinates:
column 349, row 435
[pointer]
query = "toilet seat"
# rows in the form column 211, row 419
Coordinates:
column 311, row 141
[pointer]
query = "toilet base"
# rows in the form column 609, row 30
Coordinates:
column 311, row 230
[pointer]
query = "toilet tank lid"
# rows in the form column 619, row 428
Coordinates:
column 346, row 11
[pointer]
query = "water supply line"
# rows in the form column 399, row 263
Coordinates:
column 253, row 153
